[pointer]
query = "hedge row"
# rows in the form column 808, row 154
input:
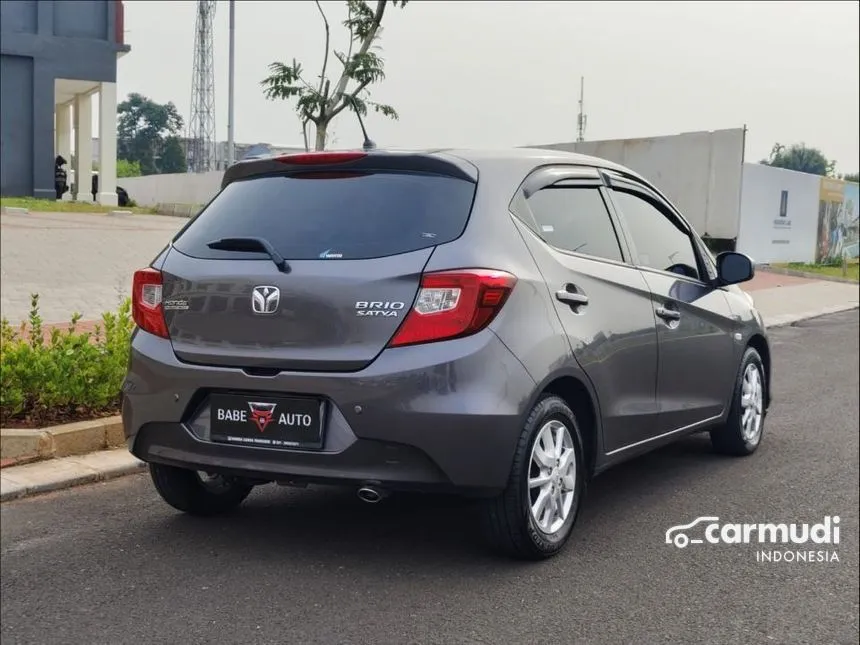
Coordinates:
column 62, row 375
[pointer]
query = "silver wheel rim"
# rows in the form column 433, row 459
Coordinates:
column 752, row 404
column 552, row 477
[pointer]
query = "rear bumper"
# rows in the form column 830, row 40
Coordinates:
column 441, row 416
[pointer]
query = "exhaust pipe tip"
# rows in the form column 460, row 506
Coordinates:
column 370, row 494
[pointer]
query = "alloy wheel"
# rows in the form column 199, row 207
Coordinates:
column 752, row 404
column 552, row 477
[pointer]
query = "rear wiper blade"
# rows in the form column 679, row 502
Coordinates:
column 250, row 245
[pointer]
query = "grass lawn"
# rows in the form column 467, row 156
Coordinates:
column 53, row 206
column 833, row 271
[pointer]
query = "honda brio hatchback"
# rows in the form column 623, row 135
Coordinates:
column 502, row 325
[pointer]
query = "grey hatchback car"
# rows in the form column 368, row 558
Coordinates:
column 502, row 325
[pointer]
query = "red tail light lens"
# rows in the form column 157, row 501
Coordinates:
column 146, row 302
column 453, row 304
column 320, row 158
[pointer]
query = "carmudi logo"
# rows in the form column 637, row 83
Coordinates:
column 709, row 530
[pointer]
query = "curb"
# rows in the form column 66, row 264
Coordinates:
column 70, row 439
column 790, row 319
column 804, row 274
column 171, row 209
column 15, row 210
column 56, row 474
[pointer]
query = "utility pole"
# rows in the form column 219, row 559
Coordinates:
column 582, row 118
column 231, row 153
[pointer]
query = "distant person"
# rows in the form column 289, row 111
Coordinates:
column 61, row 178
column 95, row 186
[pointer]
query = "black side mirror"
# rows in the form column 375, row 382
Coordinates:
column 733, row 268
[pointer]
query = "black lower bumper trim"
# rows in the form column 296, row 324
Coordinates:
column 392, row 465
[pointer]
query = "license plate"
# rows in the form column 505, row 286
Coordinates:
column 267, row 421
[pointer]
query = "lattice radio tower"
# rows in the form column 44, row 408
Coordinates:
column 201, row 126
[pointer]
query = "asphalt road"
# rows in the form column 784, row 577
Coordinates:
column 111, row 564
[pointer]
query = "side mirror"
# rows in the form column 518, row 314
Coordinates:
column 733, row 268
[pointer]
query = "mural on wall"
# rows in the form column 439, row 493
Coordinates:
column 838, row 229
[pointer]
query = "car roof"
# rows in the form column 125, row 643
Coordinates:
column 500, row 165
column 528, row 158
column 524, row 157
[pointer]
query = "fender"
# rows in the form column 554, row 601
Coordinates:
column 571, row 369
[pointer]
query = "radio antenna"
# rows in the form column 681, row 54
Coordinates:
column 582, row 118
column 368, row 143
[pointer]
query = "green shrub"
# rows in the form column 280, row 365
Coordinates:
column 73, row 375
column 126, row 168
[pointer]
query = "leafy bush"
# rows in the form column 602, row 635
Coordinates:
column 126, row 168
column 73, row 375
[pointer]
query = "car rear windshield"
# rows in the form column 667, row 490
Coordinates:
column 349, row 216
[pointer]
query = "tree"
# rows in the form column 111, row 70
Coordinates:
column 801, row 158
column 851, row 176
column 319, row 103
column 125, row 168
column 173, row 157
column 144, row 129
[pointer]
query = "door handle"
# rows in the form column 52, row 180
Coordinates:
column 668, row 314
column 572, row 298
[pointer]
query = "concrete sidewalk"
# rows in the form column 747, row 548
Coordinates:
column 784, row 299
column 65, row 472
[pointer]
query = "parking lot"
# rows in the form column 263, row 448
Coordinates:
column 84, row 263
column 75, row 262
column 111, row 563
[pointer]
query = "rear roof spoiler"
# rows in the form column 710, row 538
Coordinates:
column 432, row 162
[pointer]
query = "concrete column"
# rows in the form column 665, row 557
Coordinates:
column 63, row 144
column 107, row 144
column 43, row 123
column 83, row 147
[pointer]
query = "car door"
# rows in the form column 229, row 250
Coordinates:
column 603, row 302
column 694, row 320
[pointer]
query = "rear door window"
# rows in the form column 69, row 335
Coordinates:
column 575, row 219
column 349, row 216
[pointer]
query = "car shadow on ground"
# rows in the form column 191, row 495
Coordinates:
column 323, row 522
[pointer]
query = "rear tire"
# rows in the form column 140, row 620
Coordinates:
column 517, row 523
column 186, row 491
column 743, row 430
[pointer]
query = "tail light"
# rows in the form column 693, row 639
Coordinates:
column 453, row 304
column 146, row 302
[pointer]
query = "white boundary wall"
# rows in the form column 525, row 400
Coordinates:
column 700, row 172
column 181, row 188
column 779, row 214
column 789, row 216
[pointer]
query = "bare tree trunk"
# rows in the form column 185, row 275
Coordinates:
column 342, row 82
column 319, row 144
column 305, row 135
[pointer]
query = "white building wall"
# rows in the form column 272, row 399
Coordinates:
column 773, row 232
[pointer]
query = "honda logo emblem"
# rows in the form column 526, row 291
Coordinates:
column 265, row 300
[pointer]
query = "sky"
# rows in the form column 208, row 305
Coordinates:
column 496, row 74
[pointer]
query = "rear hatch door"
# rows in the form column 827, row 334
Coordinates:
column 354, row 244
